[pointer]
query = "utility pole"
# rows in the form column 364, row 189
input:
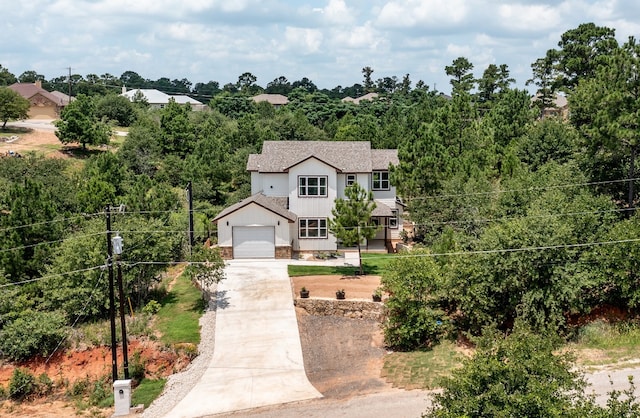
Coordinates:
column 117, row 248
column 112, row 313
column 69, row 85
column 190, row 201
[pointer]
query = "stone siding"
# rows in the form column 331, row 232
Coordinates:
column 355, row 309
column 226, row 252
column 284, row 252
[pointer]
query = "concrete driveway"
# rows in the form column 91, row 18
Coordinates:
column 257, row 360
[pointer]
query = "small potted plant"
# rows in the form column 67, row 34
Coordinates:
column 340, row 294
column 377, row 295
column 304, row 293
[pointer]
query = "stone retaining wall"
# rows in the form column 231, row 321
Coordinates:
column 355, row 309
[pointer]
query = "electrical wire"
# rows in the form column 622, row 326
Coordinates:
column 37, row 279
column 80, row 315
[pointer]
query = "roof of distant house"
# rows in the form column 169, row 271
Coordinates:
column 28, row 90
column 64, row 97
column 274, row 99
column 154, row 96
column 559, row 100
column 357, row 100
column 345, row 156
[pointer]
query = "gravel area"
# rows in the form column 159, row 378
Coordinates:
column 179, row 384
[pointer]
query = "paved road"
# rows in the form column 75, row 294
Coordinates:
column 257, row 359
column 38, row 124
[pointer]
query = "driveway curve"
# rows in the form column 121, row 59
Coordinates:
column 257, row 360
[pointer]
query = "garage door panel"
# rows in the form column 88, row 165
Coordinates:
column 254, row 242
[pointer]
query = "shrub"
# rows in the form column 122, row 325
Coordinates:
column 22, row 384
column 3, row 393
column 44, row 385
column 32, row 333
column 137, row 366
column 99, row 392
column 79, row 387
column 152, row 307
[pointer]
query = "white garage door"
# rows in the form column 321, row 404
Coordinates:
column 254, row 242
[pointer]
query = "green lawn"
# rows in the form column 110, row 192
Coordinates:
column 147, row 391
column 371, row 262
column 178, row 317
column 421, row 369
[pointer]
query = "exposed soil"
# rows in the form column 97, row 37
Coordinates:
column 356, row 287
column 343, row 357
column 40, row 141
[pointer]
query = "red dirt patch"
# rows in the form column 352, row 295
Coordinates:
column 95, row 362
column 355, row 287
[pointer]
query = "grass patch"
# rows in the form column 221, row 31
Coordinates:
column 421, row 369
column 178, row 317
column 372, row 263
column 147, row 391
column 604, row 343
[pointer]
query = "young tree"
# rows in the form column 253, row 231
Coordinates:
column 351, row 222
column 12, row 106
column 78, row 123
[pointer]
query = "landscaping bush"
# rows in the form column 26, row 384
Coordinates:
column 32, row 333
column 22, row 384
column 152, row 307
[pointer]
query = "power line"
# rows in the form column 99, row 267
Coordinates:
column 82, row 216
column 529, row 189
column 49, row 242
column 50, row 276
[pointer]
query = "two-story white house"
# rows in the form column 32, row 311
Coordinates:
column 293, row 188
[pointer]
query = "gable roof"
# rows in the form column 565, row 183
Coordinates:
column 345, row 156
column 276, row 205
column 28, row 90
column 154, row 96
column 274, row 99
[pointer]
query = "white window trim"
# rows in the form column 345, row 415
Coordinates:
column 393, row 220
column 382, row 181
column 320, row 228
column 320, row 186
column 353, row 180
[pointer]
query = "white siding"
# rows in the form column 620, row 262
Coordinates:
column 361, row 178
column 253, row 215
column 270, row 184
column 312, row 206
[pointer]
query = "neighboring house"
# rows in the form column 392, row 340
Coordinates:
column 276, row 100
column 560, row 107
column 158, row 99
column 368, row 96
column 294, row 185
column 44, row 105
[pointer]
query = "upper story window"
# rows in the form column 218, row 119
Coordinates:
column 312, row 186
column 350, row 179
column 380, row 180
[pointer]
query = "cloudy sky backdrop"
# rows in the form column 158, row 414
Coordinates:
column 328, row 41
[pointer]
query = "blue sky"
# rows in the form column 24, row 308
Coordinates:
column 328, row 41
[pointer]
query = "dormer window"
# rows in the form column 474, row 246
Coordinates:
column 380, row 180
column 312, row 186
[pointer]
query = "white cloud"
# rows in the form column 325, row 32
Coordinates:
column 409, row 13
column 337, row 12
column 309, row 40
column 534, row 18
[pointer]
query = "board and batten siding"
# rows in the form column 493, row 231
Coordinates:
column 253, row 215
column 270, row 184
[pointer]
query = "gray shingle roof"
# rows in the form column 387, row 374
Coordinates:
column 277, row 205
column 381, row 210
column 345, row 156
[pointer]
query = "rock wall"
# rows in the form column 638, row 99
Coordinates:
column 355, row 309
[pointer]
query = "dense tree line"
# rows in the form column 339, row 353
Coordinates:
column 522, row 219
